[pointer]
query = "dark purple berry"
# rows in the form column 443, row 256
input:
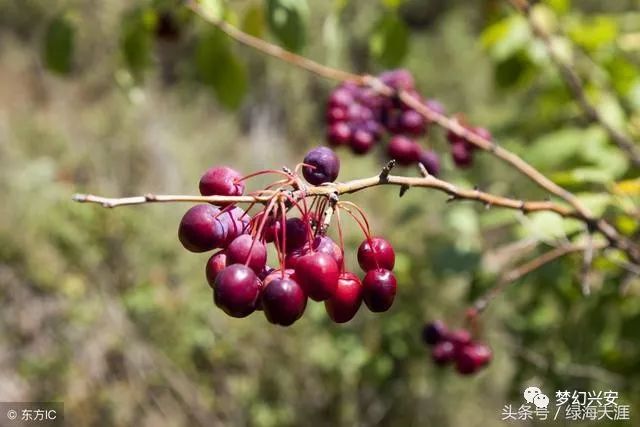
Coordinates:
column 404, row 150
column 283, row 301
column 245, row 250
column 200, row 230
column 412, row 123
column 431, row 161
column 362, row 141
column 462, row 154
column 324, row 166
column 434, row 332
column 236, row 290
column 379, row 289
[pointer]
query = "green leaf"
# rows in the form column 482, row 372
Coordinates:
column 136, row 39
column 559, row 6
column 220, row 69
column 58, row 45
column 253, row 21
column 389, row 42
column 287, row 21
column 212, row 8
column 594, row 33
column 392, row 4
column 507, row 37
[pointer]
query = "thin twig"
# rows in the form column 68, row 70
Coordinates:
column 576, row 86
column 346, row 188
column 530, row 266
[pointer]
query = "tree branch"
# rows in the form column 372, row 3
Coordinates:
column 582, row 212
column 575, row 85
column 347, row 188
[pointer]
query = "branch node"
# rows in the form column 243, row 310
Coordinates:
column 403, row 189
column 150, row 197
column 423, row 171
column 452, row 198
column 523, row 207
column 386, row 170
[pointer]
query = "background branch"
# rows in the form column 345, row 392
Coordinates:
column 575, row 85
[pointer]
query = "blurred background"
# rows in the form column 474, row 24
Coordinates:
column 105, row 311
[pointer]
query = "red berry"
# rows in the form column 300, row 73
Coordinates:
column 471, row 358
column 412, row 123
column 346, row 300
column 336, row 114
column 215, row 265
column 379, row 289
column 339, row 133
column 235, row 222
column 221, row 181
column 324, row 166
column 283, row 301
column 297, row 232
column 292, row 257
column 376, row 252
column 326, row 245
column 236, row 290
column 399, row 79
column 200, row 230
column 404, row 150
column 434, row 332
column 317, row 273
column 462, row 154
column 435, row 106
column 244, row 248
column 443, row 353
column 362, row 141
column 454, row 138
column 431, row 161
column 271, row 229
column 483, row 133
column 460, row 338
column 341, row 97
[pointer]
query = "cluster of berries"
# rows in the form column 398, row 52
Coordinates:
column 311, row 264
column 455, row 346
column 358, row 117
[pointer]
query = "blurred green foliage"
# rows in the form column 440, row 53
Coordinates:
column 105, row 311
